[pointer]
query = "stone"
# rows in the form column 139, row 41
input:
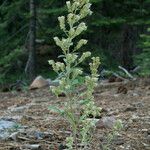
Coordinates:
column 54, row 83
column 14, row 136
column 130, row 108
column 135, row 118
column 119, row 141
column 5, row 126
column 49, row 81
column 32, row 146
column 106, row 122
column 39, row 82
column 19, row 109
column 39, row 135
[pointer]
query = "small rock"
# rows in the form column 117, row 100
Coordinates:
column 116, row 95
column 14, row 136
column 106, row 122
column 49, row 81
column 135, row 94
column 128, row 147
column 5, row 126
column 121, row 146
column 144, row 130
column 119, row 141
column 134, row 117
column 4, row 135
column 130, row 108
column 18, row 109
column 39, row 82
column 54, row 83
column 32, row 147
column 40, row 135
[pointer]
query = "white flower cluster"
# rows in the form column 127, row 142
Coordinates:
column 71, row 58
column 64, row 44
column 62, row 23
column 91, row 108
column 84, row 56
column 94, row 66
column 82, row 5
column 80, row 44
column 58, row 66
column 77, row 72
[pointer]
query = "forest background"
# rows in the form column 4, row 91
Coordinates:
column 117, row 33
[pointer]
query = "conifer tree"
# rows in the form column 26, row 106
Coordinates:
column 143, row 59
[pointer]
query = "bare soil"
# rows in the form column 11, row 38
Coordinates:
column 129, row 102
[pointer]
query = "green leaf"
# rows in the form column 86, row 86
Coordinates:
column 84, row 101
column 75, row 82
column 61, row 56
column 56, row 109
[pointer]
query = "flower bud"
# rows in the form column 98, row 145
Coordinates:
column 81, row 27
column 80, row 44
column 62, row 22
column 70, row 18
column 68, row 6
column 57, row 41
column 84, row 56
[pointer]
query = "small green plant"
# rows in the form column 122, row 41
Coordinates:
column 112, row 135
column 79, row 105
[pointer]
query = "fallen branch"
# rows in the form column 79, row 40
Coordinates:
column 136, row 69
column 118, row 76
column 126, row 72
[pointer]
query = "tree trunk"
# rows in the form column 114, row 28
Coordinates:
column 30, row 68
column 127, row 47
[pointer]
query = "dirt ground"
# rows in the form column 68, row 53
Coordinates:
column 129, row 102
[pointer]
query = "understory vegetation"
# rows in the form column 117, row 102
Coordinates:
column 114, row 37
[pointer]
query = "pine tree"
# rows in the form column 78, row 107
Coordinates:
column 143, row 59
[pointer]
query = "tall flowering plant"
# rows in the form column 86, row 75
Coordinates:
column 79, row 105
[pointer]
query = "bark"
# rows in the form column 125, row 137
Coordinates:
column 127, row 47
column 30, row 69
